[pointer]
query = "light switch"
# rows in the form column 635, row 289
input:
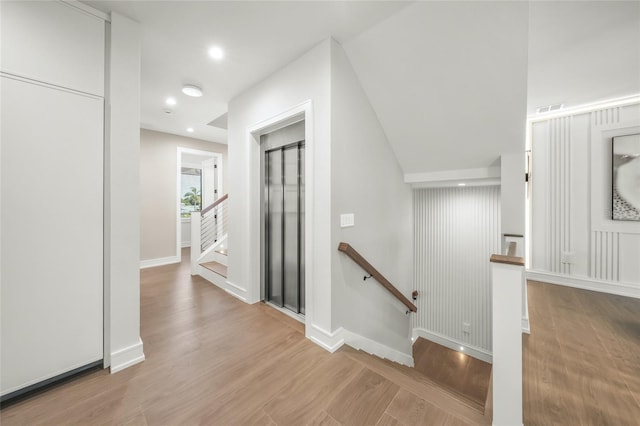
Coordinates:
column 347, row 220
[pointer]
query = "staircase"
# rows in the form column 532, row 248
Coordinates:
column 435, row 395
column 209, row 242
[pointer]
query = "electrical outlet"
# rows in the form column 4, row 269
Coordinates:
column 466, row 327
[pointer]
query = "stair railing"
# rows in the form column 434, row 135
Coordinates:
column 373, row 273
column 213, row 222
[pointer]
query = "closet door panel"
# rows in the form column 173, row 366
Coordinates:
column 51, row 254
column 53, row 42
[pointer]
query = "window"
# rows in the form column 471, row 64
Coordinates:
column 191, row 190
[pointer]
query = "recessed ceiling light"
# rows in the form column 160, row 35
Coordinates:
column 462, row 184
column 171, row 101
column 216, row 53
column 191, row 90
column 190, row 129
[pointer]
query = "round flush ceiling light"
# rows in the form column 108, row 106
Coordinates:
column 216, row 53
column 191, row 90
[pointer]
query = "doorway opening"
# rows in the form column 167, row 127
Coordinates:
column 284, row 218
column 199, row 184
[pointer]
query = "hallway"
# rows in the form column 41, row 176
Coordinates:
column 212, row 359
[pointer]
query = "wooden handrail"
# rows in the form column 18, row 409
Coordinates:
column 510, row 258
column 362, row 262
column 216, row 203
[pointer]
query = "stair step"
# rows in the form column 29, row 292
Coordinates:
column 222, row 252
column 422, row 386
column 216, row 267
column 456, row 371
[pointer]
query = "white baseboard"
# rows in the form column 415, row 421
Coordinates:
column 454, row 344
column 621, row 289
column 150, row 263
column 126, row 357
column 236, row 291
column 329, row 341
column 525, row 326
column 375, row 348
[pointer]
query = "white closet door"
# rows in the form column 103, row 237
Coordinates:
column 51, row 235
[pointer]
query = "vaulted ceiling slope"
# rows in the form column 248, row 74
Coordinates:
column 452, row 82
column 258, row 37
column 448, row 81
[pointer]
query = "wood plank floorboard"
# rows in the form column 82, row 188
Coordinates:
column 466, row 376
column 216, row 267
column 581, row 362
column 214, row 360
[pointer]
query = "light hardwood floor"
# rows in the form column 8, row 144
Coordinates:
column 466, row 376
column 214, row 360
column 582, row 360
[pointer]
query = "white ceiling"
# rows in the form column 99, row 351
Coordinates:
column 451, row 82
column 258, row 38
column 581, row 52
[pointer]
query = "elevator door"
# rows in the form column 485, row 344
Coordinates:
column 285, row 227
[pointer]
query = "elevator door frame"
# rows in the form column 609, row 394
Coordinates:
column 298, row 313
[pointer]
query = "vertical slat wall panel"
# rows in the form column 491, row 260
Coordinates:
column 558, row 202
column 456, row 231
column 604, row 255
column 604, row 247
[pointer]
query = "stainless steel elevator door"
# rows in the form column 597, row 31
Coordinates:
column 285, row 227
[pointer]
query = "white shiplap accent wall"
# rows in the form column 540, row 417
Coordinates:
column 456, row 231
column 574, row 241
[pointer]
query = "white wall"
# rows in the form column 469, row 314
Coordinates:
column 573, row 239
column 512, row 189
column 367, row 180
column 456, row 232
column 158, row 210
column 305, row 79
column 122, row 201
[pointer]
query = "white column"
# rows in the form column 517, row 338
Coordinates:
column 507, row 342
column 122, row 196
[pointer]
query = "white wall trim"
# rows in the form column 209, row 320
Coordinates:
column 236, row 287
column 299, row 112
column 481, row 176
column 126, row 357
column 618, row 288
column 375, row 348
column 525, row 326
column 181, row 150
column 453, row 344
column 150, row 263
column 329, row 341
column 87, row 9
column 584, row 108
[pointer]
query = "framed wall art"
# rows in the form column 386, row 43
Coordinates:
column 626, row 177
